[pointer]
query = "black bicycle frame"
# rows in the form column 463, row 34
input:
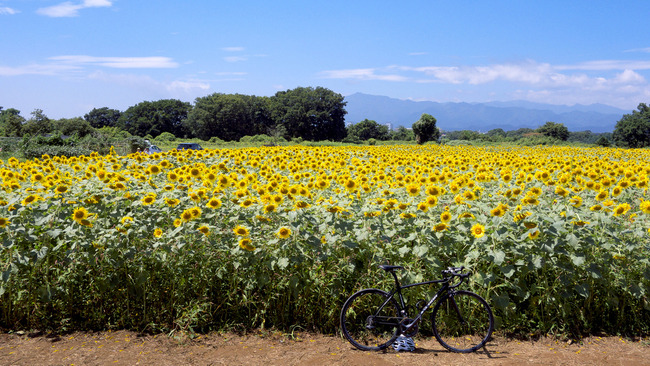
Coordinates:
column 398, row 290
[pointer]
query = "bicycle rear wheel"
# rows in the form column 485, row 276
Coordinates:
column 367, row 324
column 462, row 321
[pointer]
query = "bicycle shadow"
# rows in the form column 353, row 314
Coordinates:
column 485, row 351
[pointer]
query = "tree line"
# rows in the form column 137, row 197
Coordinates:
column 310, row 113
column 307, row 113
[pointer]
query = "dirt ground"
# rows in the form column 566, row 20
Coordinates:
column 274, row 348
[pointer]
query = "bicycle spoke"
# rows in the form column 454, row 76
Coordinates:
column 462, row 322
column 366, row 324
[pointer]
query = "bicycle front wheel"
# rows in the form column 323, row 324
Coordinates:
column 462, row 321
column 370, row 319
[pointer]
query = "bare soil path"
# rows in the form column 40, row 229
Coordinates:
column 269, row 348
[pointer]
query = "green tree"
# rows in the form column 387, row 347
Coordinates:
column 103, row 117
column 603, row 141
column 38, row 124
column 633, row 130
column 11, row 122
column 402, row 134
column 554, row 130
column 519, row 133
column 154, row 118
column 367, row 129
column 312, row 114
column 425, row 129
column 72, row 126
column 229, row 117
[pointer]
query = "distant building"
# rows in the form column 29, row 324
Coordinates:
column 389, row 125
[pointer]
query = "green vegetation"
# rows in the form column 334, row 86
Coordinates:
column 633, row 130
column 298, row 116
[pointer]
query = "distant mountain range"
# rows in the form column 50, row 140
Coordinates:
column 482, row 117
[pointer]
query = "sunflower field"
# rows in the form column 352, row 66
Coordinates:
column 557, row 238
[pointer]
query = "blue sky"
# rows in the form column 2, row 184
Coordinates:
column 68, row 57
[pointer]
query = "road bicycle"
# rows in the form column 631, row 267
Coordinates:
column 372, row 319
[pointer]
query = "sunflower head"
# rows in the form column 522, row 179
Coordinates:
column 4, row 222
column 214, row 203
column 284, row 232
column 204, row 229
column 246, row 245
column 241, row 231
column 478, row 230
column 80, row 214
column 440, row 227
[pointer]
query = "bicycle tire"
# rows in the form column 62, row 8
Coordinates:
column 467, row 329
column 367, row 327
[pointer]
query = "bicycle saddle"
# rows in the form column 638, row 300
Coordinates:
column 389, row 268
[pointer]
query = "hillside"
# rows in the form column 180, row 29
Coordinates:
column 482, row 116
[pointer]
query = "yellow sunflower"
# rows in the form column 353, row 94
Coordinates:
column 148, row 199
column 4, row 222
column 621, row 209
column 241, row 231
column 302, row 204
column 157, row 233
column 172, row 202
column 80, row 214
column 478, row 230
column 440, row 227
column 445, row 217
column 596, row 208
column 214, row 203
column 245, row 244
column 432, row 201
column 284, row 232
column 126, row 221
column 645, row 207
column 204, row 229
column 30, row 199
column 196, row 212
column 186, row 215
column 576, row 201
column 601, row 195
column 533, row 235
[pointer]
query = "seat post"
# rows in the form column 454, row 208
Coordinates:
column 396, row 280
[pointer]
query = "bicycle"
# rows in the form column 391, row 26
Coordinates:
column 372, row 319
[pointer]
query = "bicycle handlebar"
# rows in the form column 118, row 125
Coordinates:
column 456, row 271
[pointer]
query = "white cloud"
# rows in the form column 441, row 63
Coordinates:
column 187, row 86
column 150, row 85
column 362, row 74
column 8, row 11
column 614, row 82
column 36, row 69
column 61, row 65
column 628, row 77
column 154, row 62
column 644, row 50
column 603, row 65
column 528, row 72
column 70, row 9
